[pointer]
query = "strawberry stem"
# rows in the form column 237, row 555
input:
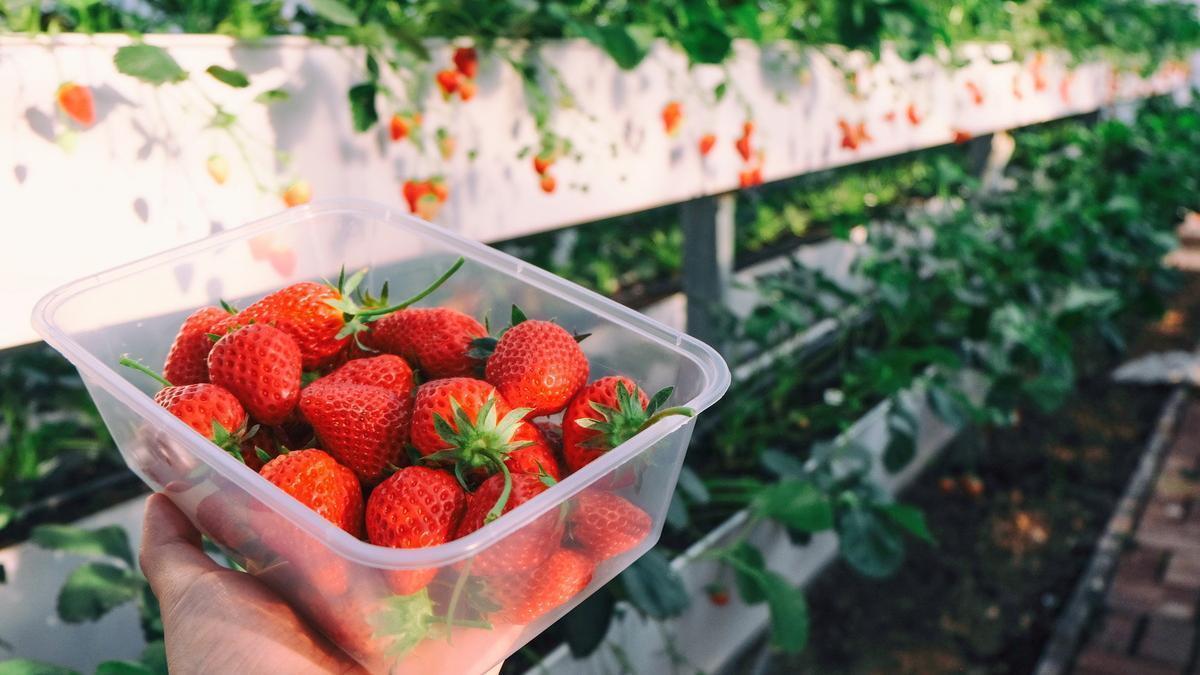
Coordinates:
column 666, row 412
column 455, row 594
column 419, row 296
column 498, row 509
column 145, row 370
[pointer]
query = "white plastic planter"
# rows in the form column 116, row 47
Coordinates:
column 136, row 182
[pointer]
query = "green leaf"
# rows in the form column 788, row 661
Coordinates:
column 234, row 78
column 28, row 667
column 586, row 625
column 122, row 668
column 94, row 589
column 945, row 406
column 362, row 105
column 797, row 504
column 110, row 541
column 334, row 11
column 911, row 518
column 789, row 613
column 149, row 64
column 782, row 464
column 677, row 511
column 748, row 567
column 653, row 587
column 272, row 96
column 745, row 17
column 868, row 544
column 154, row 657
column 626, row 44
column 899, row 452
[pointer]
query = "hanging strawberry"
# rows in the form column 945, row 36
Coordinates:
column 466, row 61
column 299, row 192
column 75, row 100
column 218, row 168
column 445, row 142
column 448, row 81
column 707, row 141
column 672, row 117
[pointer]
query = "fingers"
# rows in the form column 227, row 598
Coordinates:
column 171, row 557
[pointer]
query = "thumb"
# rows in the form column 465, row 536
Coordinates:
column 171, row 557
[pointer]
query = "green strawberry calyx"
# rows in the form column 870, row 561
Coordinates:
column 481, row 348
column 479, row 443
column 360, row 308
column 628, row 419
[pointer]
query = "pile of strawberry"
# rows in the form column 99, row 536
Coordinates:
column 411, row 427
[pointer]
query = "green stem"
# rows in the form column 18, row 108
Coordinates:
column 498, row 509
column 666, row 412
column 455, row 594
column 419, row 296
column 142, row 368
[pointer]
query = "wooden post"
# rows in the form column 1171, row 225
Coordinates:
column 707, row 263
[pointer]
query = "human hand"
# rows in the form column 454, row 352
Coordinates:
column 218, row 620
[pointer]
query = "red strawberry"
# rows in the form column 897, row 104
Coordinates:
column 849, row 136
column 551, row 431
column 520, row 551
column 672, row 116
column 528, row 595
column 209, row 409
column 707, row 141
column 316, row 480
column 605, row 414
column 466, row 90
column 542, row 162
column 76, row 101
column 435, row 340
column 415, row 507
column 263, row 443
column 362, row 426
column 466, row 60
column 748, row 128
column 913, row 118
column 447, row 81
column 607, row 525
column 743, row 147
column 413, row 190
column 260, row 365
column 750, row 177
column 717, row 594
column 548, row 183
column 386, row 370
column 537, row 365
column 536, row 458
column 398, row 127
column 187, row 362
column 322, row 318
column 961, row 136
column 467, row 423
column 975, row 92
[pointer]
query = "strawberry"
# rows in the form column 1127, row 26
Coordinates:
column 864, row 136
column 413, row 190
column 260, row 447
column 551, row 431
column 975, row 92
column 415, row 507
column 750, row 177
column 961, row 136
column 522, row 550
column 75, row 100
column 448, row 81
column 218, row 168
column 297, row 193
column 606, row 525
column 672, row 116
column 212, row 411
column 717, row 594
column 849, row 137
column 316, row 480
column 260, row 365
column 322, row 318
column 187, row 361
column 911, row 112
column 707, row 141
column 605, row 414
column 466, row 60
column 364, row 427
column 386, row 370
column 743, row 147
column 428, row 207
column 467, row 422
column 542, row 162
column 537, row 458
column 536, row 365
column 547, row 183
column 435, row 340
column 526, row 596
column 398, row 127
column 466, row 90
column 748, row 128
column 439, row 188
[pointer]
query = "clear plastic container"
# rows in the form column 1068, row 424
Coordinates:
column 339, row 582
